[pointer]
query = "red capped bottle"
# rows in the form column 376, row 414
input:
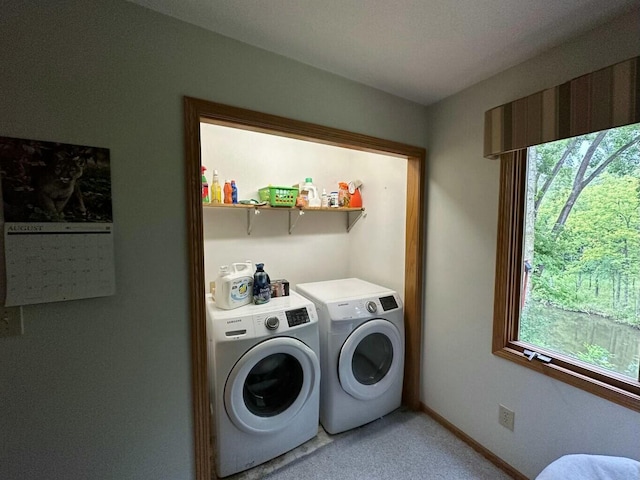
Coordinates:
column 205, row 186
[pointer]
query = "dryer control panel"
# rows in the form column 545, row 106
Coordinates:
column 388, row 303
column 363, row 308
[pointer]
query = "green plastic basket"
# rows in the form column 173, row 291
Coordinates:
column 279, row 196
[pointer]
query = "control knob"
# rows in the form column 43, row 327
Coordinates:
column 372, row 307
column 272, row 323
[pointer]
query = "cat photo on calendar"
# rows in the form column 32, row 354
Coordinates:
column 54, row 182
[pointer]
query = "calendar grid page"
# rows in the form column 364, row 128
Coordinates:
column 51, row 262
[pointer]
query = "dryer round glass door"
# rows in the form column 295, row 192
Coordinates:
column 371, row 359
column 270, row 383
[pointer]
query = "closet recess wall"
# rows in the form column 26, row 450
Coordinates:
column 197, row 111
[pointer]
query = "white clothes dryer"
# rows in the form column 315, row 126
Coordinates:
column 361, row 351
column 264, row 376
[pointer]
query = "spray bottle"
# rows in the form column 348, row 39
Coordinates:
column 205, row 186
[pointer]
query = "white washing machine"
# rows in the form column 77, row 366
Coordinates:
column 361, row 351
column 264, row 376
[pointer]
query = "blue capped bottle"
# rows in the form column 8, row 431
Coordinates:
column 234, row 192
column 261, row 285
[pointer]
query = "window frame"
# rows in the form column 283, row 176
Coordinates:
column 508, row 281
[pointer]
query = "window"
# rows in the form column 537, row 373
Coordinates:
column 567, row 297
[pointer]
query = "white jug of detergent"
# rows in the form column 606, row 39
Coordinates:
column 310, row 192
column 234, row 285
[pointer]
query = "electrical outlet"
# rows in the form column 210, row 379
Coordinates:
column 11, row 321
column 506, row 417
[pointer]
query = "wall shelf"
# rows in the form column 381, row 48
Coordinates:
column 353, row 214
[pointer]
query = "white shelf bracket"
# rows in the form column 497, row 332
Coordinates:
column 358, row 215
column 292, row 224
column 250, row 216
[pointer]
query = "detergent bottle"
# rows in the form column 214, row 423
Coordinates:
column 261, row 285
column 309, row 190
column 234, row 285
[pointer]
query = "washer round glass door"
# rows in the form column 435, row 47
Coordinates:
column 270, row 384
column 371, row 359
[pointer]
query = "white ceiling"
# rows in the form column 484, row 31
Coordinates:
column 422, row 50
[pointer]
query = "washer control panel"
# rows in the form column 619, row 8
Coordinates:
column 255, row 321
column 272, row 323
column 296, row 317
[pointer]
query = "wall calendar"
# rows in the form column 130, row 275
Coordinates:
column 58, row 223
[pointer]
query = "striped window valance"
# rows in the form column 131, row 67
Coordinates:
column 603, row 99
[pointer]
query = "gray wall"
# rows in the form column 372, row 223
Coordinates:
column 100, row 388
column 466, row 384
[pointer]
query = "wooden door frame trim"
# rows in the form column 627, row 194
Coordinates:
column 197, row 111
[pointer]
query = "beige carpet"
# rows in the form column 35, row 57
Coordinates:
column 271, row 466
column 403, row 445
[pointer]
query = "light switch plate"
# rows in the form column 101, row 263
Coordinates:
column 11, row 321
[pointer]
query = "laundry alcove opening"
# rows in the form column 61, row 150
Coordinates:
column 319, row 246
column 225, row 138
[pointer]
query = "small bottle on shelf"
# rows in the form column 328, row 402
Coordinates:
column 205, row 186
column 227, row 192
column 324, row 199
column 216, row 191
column 234, row 192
